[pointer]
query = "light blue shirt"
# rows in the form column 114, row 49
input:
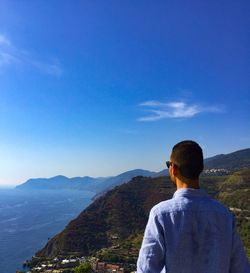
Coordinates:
column 191, row 233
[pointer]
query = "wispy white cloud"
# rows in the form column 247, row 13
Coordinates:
column 52, row 68
column 10, row 55
column 4, row 40
column 6, row 58
column 174, row 109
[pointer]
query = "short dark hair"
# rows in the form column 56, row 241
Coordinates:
column 188, row 157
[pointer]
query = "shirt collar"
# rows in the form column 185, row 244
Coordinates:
column 189, row 192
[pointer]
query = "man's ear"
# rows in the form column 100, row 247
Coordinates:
column 174, row 170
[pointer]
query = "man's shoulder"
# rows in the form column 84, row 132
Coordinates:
column 164, row 206
column 175, row 205
column 216, row 205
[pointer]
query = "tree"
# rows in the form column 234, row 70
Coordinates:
column 83, row 268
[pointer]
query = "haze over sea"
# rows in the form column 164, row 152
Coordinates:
column 29, row 218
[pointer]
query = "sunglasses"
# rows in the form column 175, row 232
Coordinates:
column 168, row 163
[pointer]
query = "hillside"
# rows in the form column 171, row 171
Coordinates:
column 113, row 225
column 120, row 213
column 232, row 161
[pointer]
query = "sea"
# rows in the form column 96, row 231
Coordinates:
column 29, row 218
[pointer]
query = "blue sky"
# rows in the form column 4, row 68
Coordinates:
column 101, row 87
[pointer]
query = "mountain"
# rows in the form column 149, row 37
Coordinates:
column 62, row 182
column 233, row 161
column 114, row 223
column 125, row 177
column 120, row 213
column 86, row 183
column 230, row 162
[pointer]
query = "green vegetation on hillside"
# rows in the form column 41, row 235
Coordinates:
column 112, row 227
column 84, row 268
column 235, row 194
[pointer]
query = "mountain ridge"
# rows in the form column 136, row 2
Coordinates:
column 88, row 183
column 231, row 162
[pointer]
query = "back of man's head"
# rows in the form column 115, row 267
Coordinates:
column 188, row 157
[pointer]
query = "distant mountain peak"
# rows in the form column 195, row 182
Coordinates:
column 229, row 162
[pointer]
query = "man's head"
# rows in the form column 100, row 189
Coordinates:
column 187, row 159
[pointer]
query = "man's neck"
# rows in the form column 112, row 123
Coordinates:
column 193, row 184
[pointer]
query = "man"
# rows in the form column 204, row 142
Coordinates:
column 190, row 233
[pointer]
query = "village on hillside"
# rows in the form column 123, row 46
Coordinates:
column 68, row 265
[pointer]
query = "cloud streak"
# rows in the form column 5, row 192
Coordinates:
column 12, row 55
column 4, row 40
column 173, row 110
